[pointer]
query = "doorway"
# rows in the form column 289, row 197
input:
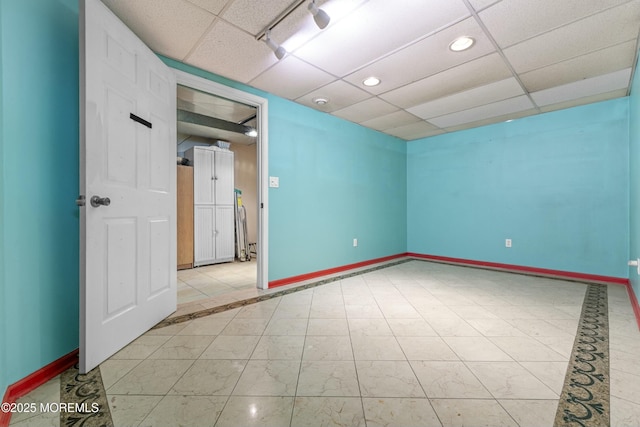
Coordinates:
column 251, row 112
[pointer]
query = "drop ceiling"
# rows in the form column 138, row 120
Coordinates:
column 529, row 56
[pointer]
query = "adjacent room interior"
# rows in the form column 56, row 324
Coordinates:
column 206, row 120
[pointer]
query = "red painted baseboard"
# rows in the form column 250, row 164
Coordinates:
column 634, row 303
column 35, row 380
column 321, row 273
column 524, row 269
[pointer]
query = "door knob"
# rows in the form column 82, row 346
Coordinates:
column 97, row 201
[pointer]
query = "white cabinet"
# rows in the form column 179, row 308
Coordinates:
column 213, row 194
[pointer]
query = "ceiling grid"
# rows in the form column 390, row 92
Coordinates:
column 529, row 56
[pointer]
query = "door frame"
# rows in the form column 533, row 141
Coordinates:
column 261, row 104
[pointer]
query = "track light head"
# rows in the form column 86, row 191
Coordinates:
column 278, row 50
column 320, row 16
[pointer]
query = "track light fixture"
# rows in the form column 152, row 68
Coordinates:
column 320, row 16
column 279, row 51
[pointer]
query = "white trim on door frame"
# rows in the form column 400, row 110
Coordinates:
column 204, row 85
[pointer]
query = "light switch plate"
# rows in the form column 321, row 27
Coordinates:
column 274, row 181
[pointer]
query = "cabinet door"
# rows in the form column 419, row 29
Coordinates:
column 224, row 178
column 203, row 177
column 224, row 234
column 204, row 244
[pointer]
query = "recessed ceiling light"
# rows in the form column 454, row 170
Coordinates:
column 321, row 101
column 252, row 133
column 462, row 43
column 371, row 81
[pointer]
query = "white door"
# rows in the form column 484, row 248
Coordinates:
column 127, row 154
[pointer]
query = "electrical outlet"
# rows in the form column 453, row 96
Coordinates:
column 355, row 243
column 274, row 182
column 507, row 243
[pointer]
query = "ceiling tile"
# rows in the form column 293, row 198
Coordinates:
column 213, row 6
column 475, row 73
column 389, row 121
column 252, row 15
column 416, row 61
column 414, row 131
column 580, row 89
column 586, row 100
column 577, row 39
column 492, row 120
column 482, row 4
column 291, row 78
column 511, row 21
column 375, row 29
column 487, row 94
column 583, row 67
column 339, row 93
column 365, row 110
column 182, row 23
column 230, row 52
column 500, row 108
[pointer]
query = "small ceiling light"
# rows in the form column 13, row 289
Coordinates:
column 279, row 51
column 371, row 81
column 462, row 43
column 321, row 101
column 252, row 133
column 320, row 16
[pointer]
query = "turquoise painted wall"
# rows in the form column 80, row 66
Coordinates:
column 3, row 340
column 634, row 180
column 556, row 184
column 39, row 183
column 338, row 181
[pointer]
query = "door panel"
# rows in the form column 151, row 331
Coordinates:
column 204, row 244
column 127, row 247
column 203, row 179
column 224, row 235
column 224, row 178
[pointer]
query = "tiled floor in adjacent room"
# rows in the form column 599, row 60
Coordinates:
column 197, row 284
column 415, row 344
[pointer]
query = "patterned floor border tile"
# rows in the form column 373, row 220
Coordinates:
column 586, row 392
column 86, row 392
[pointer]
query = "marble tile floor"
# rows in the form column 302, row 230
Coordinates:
column 202, row 283
column 414, row 344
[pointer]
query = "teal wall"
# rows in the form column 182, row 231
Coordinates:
column 39, row 184
column 556, row 184
column 634, row 180
column 3, row 340
column 338, row 181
